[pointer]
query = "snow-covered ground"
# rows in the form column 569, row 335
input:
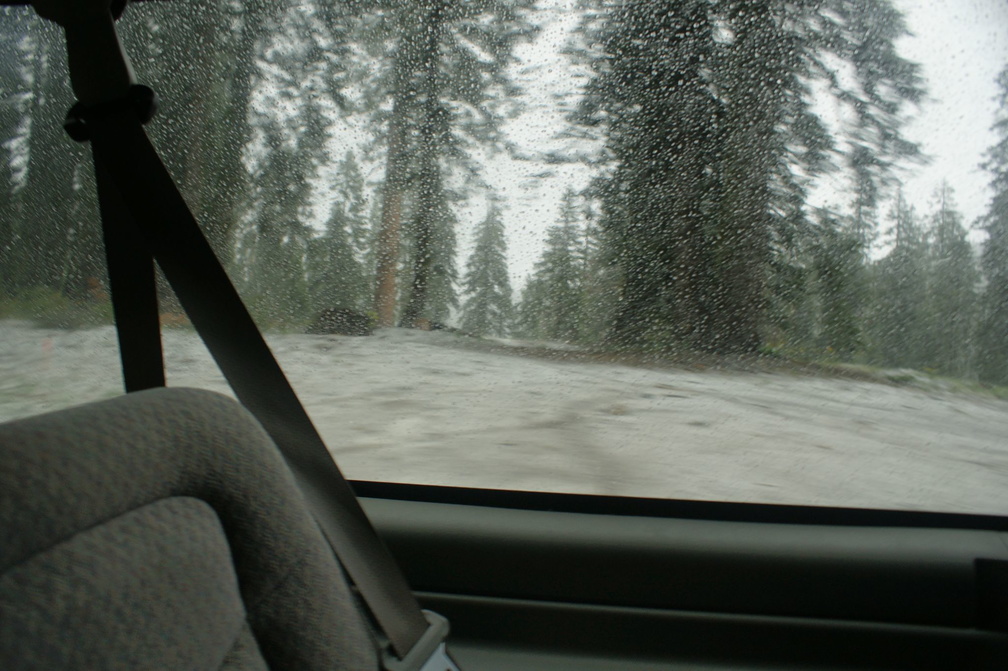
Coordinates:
column 443, row 409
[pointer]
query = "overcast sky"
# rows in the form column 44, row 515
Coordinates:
column 961, row 45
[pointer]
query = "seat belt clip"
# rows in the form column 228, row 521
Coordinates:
column 427, row 654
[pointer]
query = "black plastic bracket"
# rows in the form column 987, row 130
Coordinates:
column 428, row 654
column 141, row 99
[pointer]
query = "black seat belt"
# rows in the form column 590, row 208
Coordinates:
column 133, row 290
column 144, row 216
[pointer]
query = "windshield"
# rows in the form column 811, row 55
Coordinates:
column 691, row 249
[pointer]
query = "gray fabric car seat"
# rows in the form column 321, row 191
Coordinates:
column 163, row 530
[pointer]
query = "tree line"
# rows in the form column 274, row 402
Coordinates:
column 695, row 234
column 929, row 303
column 252, row 96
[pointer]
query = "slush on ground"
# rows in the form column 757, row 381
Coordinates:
column 440, row 408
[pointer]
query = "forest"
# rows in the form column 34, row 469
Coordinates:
column 333, row 152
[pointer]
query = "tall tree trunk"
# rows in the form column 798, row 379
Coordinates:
column 431, row 192
column 387, row 242
column 423, row 248
column 393, row 191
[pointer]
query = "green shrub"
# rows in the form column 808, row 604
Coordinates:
column 49, row 308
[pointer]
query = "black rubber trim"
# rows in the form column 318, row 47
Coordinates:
column 677, row 508
column 879, row 574
column 27, row 3
column 490, row 628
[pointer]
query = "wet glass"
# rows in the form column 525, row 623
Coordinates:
column 725, row 251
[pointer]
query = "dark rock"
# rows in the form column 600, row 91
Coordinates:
column 342, row 321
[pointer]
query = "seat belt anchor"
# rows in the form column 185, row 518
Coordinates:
column 139, row 98
column 427, row 654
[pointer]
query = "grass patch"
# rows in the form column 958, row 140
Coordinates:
column 767, row 360
column 918, row 379
column 51, row 309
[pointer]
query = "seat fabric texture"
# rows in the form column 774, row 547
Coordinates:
column 163, row 530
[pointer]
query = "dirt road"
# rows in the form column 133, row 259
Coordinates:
column 426, row 407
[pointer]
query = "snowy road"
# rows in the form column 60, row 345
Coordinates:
column 436, row 408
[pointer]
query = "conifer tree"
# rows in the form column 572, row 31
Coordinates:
column 200, row 65
column 531, row 306
column 863, row 224
column 790, row 321
column 992, row 355
column 551, row 303
column 351, row 206
column 13, row 85
column 275, row 247
column 447, row 61
column 705, row 109
column 299, row 81
column 488, row 309
column 431, row 294
column 15, row 94
column 369, row 248
column 650, row 99
column 599, row 281
column 952, row 290
column 899, row 316
column 756, row 72
column 56, row 202
column 335, row 274
column 840, row 286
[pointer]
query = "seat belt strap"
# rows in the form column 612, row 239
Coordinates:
column 153, row 208
column 133, row 289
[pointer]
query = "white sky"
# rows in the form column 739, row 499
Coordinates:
column 962, row 45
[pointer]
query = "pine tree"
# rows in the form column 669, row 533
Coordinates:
column 952, row 291
column 790, row 320
column 992, row 354
column 351, row 206
column 15, row 93
column 56, row 205
column 432, row 227
column 431, row 295
column 865, row 207
column 551, row 303
column 53, row 208
column 299, row 82
column 335, row 274
column 840, row 286
column 531, row 306
column 756, row 72
column 447, row 60
column 199, row 62
column 275, row 247
column 488, row 309
column 650, row 100
column 899, row 316
column 599, row 282
column 705, row 108
column 369, row 248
